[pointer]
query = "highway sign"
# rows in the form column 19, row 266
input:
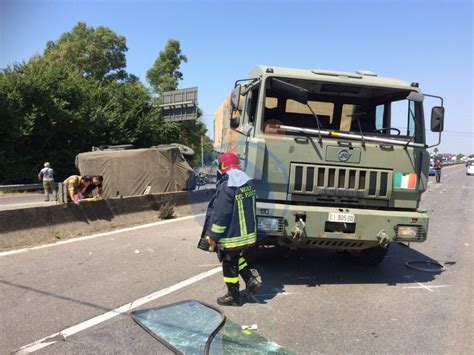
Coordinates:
column 180, row 105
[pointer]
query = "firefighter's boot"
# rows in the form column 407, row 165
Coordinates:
column 252, row 286
column 252, row 280
column 231, row 298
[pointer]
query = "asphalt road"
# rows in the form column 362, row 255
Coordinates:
column 311, row 303
column 24, row 200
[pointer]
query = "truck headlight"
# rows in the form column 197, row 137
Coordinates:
column 407, row 232
column 268, row 224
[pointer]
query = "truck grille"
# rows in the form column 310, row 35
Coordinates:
column 340, row 181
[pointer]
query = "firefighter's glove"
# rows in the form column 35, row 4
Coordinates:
column 212, row 243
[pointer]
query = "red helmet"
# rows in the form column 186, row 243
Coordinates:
column 229, row 160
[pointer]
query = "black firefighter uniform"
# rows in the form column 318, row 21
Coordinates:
column 231, row 222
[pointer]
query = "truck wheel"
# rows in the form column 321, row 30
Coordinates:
column 369, row 257
column 250, row 255
column 262, row 252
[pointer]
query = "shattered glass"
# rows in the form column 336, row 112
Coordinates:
column 185, row 327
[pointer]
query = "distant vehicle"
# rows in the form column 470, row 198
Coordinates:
column 202, row 179
column 470, row 168
column 431, row 172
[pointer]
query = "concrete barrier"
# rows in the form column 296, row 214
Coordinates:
column 32, row 226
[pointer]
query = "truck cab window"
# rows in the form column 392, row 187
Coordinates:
column 379, row 116
column 399, row 116
column 251, row 107
column 370, row 111
column 411, row 119
column 355, row 118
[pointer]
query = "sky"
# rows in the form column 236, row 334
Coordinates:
column 430, row 42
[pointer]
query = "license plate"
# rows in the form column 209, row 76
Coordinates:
column 342, row 217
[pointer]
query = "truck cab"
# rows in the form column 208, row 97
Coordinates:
column 339, row 159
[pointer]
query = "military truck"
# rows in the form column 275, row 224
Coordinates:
column 339, row 159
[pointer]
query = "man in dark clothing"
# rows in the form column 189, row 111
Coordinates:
column 231, row 226
column 96, row 182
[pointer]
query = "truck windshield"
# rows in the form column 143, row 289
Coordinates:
column 372, row 111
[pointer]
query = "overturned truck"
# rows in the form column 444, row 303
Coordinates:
column 339, row 159
column 138, row 171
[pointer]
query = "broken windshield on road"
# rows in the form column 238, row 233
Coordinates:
column 191, row 327
column 362, row 111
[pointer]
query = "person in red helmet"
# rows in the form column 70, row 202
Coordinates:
column 231, row 227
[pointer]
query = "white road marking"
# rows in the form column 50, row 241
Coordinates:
column 79, row 239
column 208, row 265
column 66, row 333
column 428, row 288
column 273, row 294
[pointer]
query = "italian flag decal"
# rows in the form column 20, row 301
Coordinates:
column 404, row 181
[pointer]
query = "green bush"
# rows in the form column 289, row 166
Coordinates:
column 166, row 211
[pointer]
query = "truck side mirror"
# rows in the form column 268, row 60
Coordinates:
column 235, row 121
column 235, row 97
column 235, row 109
column 437, row 119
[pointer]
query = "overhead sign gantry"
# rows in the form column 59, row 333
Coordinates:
column 180, row 105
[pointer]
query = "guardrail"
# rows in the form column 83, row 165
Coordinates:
column 21, row 187
column 24, row 187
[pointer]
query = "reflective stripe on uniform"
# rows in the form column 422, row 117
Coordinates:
column 231, row 280
column 240, row 208
column 254, row 213
column 218, row 229
column 242, row 222
column 242, row 263
column 235, row 242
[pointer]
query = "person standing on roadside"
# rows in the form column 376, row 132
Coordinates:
column 231, row 227
column 438, row 166
column 46, row 175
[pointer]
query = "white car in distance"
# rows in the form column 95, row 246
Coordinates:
column 470, row 168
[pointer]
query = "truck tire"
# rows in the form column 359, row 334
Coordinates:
column 262, row 252
column 369, row 257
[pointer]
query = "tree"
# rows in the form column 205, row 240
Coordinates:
column 78, row 95
column 164, row 76
column 62, row 103
column 96, row 52
column 43, row 106
column 165, row 73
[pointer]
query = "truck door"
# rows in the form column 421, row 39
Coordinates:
column 247, row 127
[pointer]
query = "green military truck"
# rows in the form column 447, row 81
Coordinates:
column 339, row 159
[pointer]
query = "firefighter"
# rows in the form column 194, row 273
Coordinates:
column 232, row 228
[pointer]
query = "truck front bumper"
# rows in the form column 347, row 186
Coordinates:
column 319, row 227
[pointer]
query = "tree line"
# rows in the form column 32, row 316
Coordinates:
column 78, row 94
